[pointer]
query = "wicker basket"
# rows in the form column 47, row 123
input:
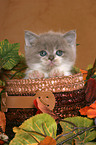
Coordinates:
column 69, row 94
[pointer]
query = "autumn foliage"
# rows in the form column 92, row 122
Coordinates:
column 90, row 111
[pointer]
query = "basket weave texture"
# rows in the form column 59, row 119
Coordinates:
column 69, row 95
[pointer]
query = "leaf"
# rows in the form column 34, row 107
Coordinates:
column 77, row 44
column 8, row 54
column 1, row 142
column 93, row 105
column 18, row 75
column 83, row 111
column 2, row 121
column 45, row 109
column 84, row 72
column 2, row 84
column 17, row 72
column 77, row 142
column 89, row 67
column 80, row 122
column 91, row 71
column 34, row 130
column 90, row 90
column 45, row 105
column 19, row 69
column 48, row 141
column 91, row 113
column 75, row 70
column 3, row 138
column 90, row 143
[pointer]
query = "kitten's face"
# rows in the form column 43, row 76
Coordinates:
column 50, row 50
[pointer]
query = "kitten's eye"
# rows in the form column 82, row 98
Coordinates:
column 43, row 53
column 59, row 52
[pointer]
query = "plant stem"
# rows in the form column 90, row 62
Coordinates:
column 80, row 132
column 66, row 134
column 35, row 132
column 68, row 122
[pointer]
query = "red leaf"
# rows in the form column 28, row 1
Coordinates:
column 36, row 105
column 1, row 142
column 91, row 90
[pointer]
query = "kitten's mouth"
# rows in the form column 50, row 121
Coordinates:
column 51, row 64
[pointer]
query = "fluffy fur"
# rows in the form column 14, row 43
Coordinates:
column 51, row 64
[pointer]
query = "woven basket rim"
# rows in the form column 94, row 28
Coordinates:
column 58, row 84
column 44, row 79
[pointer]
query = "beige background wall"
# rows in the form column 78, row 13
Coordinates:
column 57, row 15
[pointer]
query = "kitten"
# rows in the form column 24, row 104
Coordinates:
column 49, row 54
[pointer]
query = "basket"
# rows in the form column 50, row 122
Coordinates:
column 69, row 95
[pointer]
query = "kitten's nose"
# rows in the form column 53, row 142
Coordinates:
column 51, row 57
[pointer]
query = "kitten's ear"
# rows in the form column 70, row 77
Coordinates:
column 29, row 38
column 70, row 37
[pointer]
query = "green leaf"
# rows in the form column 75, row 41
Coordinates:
column 18, row 75
column 88, row 143
column 34, row 130
column 77, row 44
column 81, row 123
column 91, row 71
column 75, row 70
column 19, row 69
column 8, row 54
column 2, row 83
column 89, row 67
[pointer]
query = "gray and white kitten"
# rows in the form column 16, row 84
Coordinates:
column 49, row 54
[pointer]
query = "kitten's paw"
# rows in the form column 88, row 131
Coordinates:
column 35, row 75
column 56, row 73
column 67, row 73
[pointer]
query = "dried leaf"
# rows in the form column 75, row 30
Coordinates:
column 48, row 141
column 91, row 113
column 91, row 90
column 83, row 111
column 84, row 72
column 2, row 121
column 93, row 105
column 1, row 88
column 3, row 138
column 45, row 109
